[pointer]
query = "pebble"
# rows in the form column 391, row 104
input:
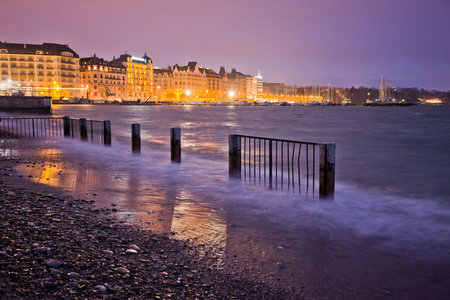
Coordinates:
column 122, row 270
column 53, row 263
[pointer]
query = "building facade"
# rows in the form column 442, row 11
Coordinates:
column 39, row 70
column 139, row 77
column 103, row 81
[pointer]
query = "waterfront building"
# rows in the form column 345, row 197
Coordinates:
column 163, row 85
column 214, row 90
column 255, row 87
column 189, row 82
column 234, row 85
column 139, row 77
column 48, row 69
column 103, row 81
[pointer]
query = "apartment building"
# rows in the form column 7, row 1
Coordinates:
column 103, row 81
column 139, row 77
column 39, row 70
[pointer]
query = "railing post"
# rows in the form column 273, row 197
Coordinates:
column 234, row 156
column 107, row 133
column 136, row 138
column 175, row 144
column 66, row 122
column 327, row 170
column 83, row 129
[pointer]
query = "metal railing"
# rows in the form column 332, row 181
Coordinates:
column 300, row 167
column 32, row 127
column 86, row 130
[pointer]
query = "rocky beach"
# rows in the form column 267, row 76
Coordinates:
column 55, row 246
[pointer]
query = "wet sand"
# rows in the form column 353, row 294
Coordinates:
column 313, row 264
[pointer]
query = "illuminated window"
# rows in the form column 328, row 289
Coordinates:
column 39, row 52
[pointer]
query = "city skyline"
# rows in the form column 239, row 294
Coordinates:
column 345, row 43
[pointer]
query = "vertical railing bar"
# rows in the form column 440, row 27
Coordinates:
column 276, row 164
column 254, row 160
column 245, row 149
column 307, row 167
column 298, row 161
column 292, row 166
column 289, row 168
column 259, row 159
column 264, row 161
column 314, row 167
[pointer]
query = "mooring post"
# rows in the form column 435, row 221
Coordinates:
column 234, row 156
column 107, row 133
column 83, row 129
column 136, row 138
column 175, row 144
column 66, row 123
column 327, row 170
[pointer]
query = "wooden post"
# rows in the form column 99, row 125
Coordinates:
column 175, row 144
column 66, row 122
column 234, row 156
column 136, row 138
column 83, row 129
column 107, row 133
column 327, row 171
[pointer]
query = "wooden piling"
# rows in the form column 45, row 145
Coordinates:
column 327, row 171
column 234, row 156
column 83, row 129
column 66, row 122
column 175, row 144
column 107, row 133
column 136, row 138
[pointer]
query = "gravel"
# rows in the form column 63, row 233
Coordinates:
column 62, row 248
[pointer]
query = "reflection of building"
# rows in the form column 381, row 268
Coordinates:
column 139, row 76
column 41, row 70
column 102, row 80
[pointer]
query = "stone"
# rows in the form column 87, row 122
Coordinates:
column 53, row 263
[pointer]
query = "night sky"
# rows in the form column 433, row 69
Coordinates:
column 303, row 42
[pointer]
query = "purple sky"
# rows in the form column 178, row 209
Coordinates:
column 303, row 42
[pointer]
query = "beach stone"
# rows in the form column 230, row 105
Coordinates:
column 130, row 252
column 122, row 270
column 100, row 288
column 53, row 263
column 73, row 275
column 134, row 247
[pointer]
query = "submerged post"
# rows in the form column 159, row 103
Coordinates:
column 327, row 170
column 234, row 156
column 66, row 123
column 107, row 133
column 136, row 138
column 83, row 129
column 175, row 144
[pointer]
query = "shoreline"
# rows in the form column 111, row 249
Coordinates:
column 56, row 246
column 306, row 264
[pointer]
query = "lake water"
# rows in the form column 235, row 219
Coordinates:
column 392, row 176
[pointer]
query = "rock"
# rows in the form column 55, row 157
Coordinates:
column 131, row 252
column 121, row 270
column 53, row 263
column 73, row 275
column 134, row 247
column 100, row 288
